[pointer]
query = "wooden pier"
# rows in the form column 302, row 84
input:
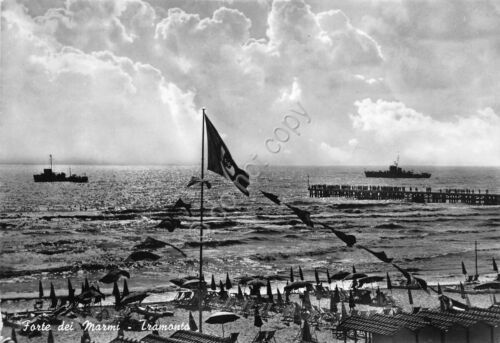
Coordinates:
column 452, row 196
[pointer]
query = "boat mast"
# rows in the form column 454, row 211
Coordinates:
column 50, row 158
column 200, row 283
column 397, row 161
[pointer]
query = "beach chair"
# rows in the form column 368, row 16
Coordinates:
column 233, row 338
column 260, row 337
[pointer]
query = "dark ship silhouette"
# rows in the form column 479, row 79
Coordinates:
column 49, row 176
column 396, row 172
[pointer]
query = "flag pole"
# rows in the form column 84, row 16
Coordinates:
column 200, row 284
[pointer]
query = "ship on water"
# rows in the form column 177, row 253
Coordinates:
column 48, row 175
column 396, row 172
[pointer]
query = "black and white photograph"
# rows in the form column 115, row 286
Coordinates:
column 250, row 171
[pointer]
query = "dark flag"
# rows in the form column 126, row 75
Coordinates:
column 306, row 333
column 303, row 215
column 410, row 297
column 421, row 283
column 272, row 197
column 389, row 284
column 181, row 203
column 378, row 254
column 464, row 271
column 349, row 240
column 404, row 272
column 192, row 323
column 221, row 162
column 495, row 267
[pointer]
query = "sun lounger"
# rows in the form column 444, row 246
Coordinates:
column 260, row 337
column 270, row 336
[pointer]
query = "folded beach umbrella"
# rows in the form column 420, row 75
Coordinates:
column 344, row 310
column 116, row 294
column 495, row 267
column 339, row 275
column 301, row 275
column 87, row 286
column 389, row 284
column 213, row 286
column 50, row 338
column 53, row 297
column 353, row 269
column 192, row 323
column 352, row 304
column 336, row 295
column 240, row 294
column 40, row 289
column 439, row 291
column 221, row 286
column 269, row 291
column 464, row 271
column 316, row 276
column 306, row 333
column 291, row 274
column 13, row 336
column 257, row 321
column 280, row 298
column 333, row 304
column 462, row 290
column 222, row 318
column 71, row 292
column 229, row 285
column 125, row 288
column 328, row 276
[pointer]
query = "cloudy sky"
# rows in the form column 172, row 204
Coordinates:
column 124, row 81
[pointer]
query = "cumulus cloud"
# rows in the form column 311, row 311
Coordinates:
column 124, row 81
column 421, row 139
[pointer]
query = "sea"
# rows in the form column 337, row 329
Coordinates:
column 50, row 232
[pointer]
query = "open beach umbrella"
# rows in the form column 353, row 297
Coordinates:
column 257, row 283
column 222, row 318
column 142, row 256
column 133, row 297
column 269, row 292
column 488, row 285
column 192, row 323
column 389, row 284
column 340, row 275
column 53, row 297
column 370, row 279
column 355, row 276
column 213, row 286
column 464, row 271
column 257, row 321
column 316, row 276
column 299, row 284
column 193, row 284
column 40, row 289
column 280, row 298
column 50, row 338
column 125, row 288
column 301, row 275
column 229, row 285
column 291, row 274
column 114, row 275
column 495, row 267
